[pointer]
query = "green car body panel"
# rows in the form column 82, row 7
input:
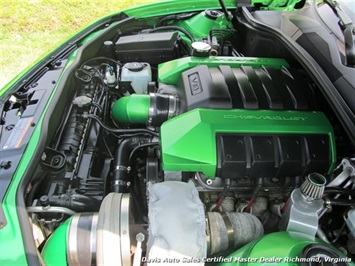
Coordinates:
column 55, row 250
column 281, row 248
column 12, row 249
column 170, row 7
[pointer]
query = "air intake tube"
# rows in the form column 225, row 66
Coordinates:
column 152, row 110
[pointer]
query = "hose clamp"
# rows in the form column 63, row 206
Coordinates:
column 152, row 104
column 123, row 168
column 230, row 230
column 173, row 106
column 162, row 107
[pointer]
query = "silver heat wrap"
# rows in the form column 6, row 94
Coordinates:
column 176, row 224
column 232, row 230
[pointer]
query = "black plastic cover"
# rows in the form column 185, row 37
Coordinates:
column 245, row 88
column 203, row 87
column 154, row 48
column 254, row 155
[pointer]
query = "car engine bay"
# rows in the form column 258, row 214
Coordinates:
column 175, row 141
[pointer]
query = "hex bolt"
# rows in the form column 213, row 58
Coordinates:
column 140, row 237
column 9, row 127
column 44, row 200
column 5, row 165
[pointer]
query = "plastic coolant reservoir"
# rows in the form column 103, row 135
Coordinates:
column 139, row 74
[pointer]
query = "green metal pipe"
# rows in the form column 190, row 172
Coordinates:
column 280, row 248
column 132, row 109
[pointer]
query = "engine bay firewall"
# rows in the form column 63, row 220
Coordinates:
column 232, row 143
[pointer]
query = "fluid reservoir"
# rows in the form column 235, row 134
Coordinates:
column 139, row 74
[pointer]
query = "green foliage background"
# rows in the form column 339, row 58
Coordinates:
column 31, row 28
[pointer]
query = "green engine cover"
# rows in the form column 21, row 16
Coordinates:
column 189, row 141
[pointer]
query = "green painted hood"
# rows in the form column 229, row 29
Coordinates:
column 174, row 6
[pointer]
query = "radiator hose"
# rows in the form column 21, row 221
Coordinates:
column 121, row 163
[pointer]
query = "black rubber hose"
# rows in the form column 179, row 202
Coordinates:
column 255, row 193
column 258, row 187
column 77, row 202
column 120, row 173
column 149, row 144
column 82, row 203
column 340, row 202
column 119, row 130
column 174, row 28
column 227, row 185
column 166, row 18
column 337, row 190
column 175, row 17
column 36, row 185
